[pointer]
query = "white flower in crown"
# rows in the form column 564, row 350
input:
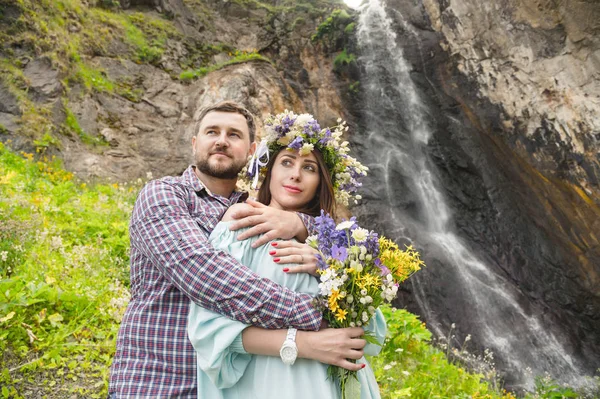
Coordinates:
column 304, row 134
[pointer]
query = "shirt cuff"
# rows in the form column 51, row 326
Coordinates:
column 305, row 316
column 309, row 223
column 237, row 345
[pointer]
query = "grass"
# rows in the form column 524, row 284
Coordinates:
column 64, row 278
column 237, row 57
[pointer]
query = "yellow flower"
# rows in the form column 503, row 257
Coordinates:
column 333, row 300
column 341, row 314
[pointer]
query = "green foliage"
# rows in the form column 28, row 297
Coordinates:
column 331, row 27
column 343, row 59
column 546, row 388
column 63, row 277
column 236, row 58
column 409, row 366
column 71, row 126
column 46, row 141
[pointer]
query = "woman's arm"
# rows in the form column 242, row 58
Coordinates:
column 329, row 346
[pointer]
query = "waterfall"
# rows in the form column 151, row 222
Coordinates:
column 394, row 146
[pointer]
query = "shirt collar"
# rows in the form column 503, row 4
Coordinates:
column 193, row 181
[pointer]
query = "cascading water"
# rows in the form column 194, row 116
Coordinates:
column 397, row 135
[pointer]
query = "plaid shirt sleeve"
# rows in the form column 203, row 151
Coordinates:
column 309, row 223
column 163, row 229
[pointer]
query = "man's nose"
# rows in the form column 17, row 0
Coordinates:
column 222, row 140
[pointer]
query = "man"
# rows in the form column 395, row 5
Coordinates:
column 173, row 264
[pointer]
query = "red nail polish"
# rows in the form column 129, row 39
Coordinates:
column 272, row 252
column 274, row 244
column 276, row 260
column 363, row 366
column 286, row 269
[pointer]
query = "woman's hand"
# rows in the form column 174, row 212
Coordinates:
column 333, row 346
column 285, row 252
column 273, row 223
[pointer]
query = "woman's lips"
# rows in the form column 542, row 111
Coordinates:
column 292, row 189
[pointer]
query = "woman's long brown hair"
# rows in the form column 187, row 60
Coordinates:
column 324, row 199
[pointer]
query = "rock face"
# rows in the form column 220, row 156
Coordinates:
column 148, row 130
column 512, row 96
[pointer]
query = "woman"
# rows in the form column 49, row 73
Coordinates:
column 233, row 361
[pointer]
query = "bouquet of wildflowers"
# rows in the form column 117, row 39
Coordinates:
column 359, row 271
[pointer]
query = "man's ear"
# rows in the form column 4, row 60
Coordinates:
column 252, row 148
column 194, row 144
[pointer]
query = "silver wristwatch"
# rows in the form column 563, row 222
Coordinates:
column 289, row 350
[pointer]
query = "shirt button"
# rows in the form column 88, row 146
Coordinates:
column 254, row 320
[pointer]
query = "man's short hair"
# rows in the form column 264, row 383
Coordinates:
column 229, row 106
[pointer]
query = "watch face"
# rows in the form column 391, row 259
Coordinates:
column 289, row 351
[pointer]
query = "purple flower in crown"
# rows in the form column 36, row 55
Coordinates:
column 326, row 137
column 296, row 144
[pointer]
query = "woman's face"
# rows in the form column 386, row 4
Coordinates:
column 294, row 180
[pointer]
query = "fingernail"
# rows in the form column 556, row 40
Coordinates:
column 363, row 366
column 276, row 260
column 272, row 252
column 285, row 269
column 274, row 244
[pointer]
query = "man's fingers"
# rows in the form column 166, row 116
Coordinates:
column 255, row 203
column 264, row 239
column 247, row 221
column 253, row 231
column 245, row 212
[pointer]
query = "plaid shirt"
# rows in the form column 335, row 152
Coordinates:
column 171, row 264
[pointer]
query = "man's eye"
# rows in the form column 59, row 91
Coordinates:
column 211, row 132
column 237, row 135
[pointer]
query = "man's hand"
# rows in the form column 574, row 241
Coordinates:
column 333, row 346
column 271, row 222
column 284, row 252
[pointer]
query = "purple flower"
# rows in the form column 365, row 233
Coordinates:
column 339, row 253
column 296, row 144
column 384, row 270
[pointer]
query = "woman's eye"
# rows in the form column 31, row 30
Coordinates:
column 286, row 162
column 310, row 168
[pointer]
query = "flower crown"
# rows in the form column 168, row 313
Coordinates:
column 302, row 133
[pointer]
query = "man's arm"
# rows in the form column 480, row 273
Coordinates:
column 163, row 230
column 272, row 223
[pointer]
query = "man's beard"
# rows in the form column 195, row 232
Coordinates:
column 220, row 172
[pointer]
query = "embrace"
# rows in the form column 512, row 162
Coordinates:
column 223, row 287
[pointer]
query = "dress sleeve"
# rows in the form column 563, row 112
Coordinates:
column 218, row 344
column 218, row 339
column 378, row 328
column 163, row 230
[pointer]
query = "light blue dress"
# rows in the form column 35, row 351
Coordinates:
column 227, row 371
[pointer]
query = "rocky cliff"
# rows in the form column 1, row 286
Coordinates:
column 512, row 97
column 115, row 88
